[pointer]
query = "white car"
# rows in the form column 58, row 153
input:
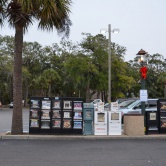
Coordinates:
column 96, row 101
column 11, row 105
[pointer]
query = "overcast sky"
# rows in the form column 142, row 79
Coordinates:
column 142, row 24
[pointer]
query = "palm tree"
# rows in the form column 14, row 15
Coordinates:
column 20, row 14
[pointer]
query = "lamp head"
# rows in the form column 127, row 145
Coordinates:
column 116, row 30
column 142, row 58
column 103, row 30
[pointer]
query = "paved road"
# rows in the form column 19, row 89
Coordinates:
column 82, row 153
column 6, row 119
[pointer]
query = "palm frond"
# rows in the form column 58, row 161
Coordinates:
column 55, row 14
column 51, row 14
column 16, row 15
column 2, row 6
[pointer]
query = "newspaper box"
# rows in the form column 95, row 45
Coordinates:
column 114, row 123
column 88, row 118
column 100, row 123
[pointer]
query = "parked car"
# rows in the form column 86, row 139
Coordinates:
column 106, row 106
column 123, row 104
column 135, row 107
column 11, row 105
column 120, row 100
column 95, row 101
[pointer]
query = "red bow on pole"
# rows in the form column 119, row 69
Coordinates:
column 143, row 72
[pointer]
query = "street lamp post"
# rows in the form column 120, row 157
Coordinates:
column 109, row 59
column 143, row 62
column 109, row 66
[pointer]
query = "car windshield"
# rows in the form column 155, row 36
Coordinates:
column 133, row 104
column 126, row 103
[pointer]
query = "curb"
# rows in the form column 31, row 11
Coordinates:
column 79, row 137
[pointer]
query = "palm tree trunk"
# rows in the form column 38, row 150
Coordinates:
column 17, row 126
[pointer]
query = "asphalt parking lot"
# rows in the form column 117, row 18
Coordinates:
column 82, row 152
column 6, row 119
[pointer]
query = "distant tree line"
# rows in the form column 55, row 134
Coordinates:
column 78, row 70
